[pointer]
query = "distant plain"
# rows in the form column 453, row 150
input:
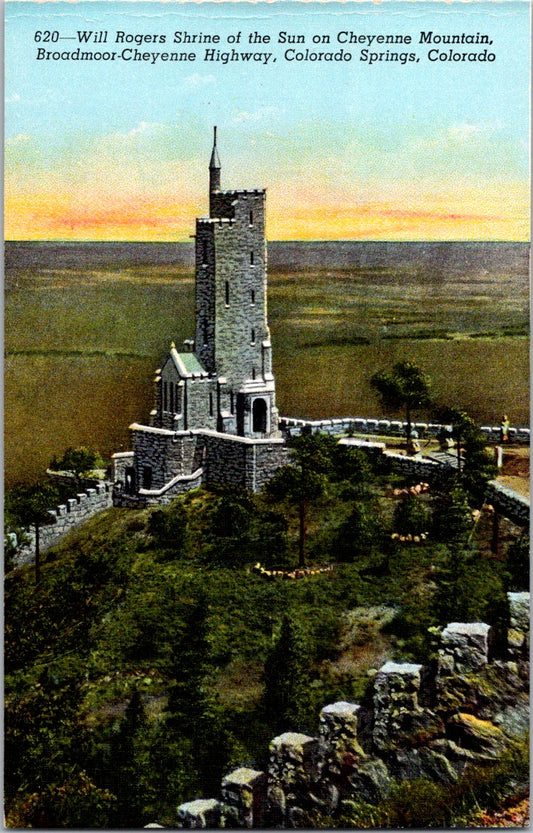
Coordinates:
column 87, row 324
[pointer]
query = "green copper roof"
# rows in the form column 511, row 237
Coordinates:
column 192, row 365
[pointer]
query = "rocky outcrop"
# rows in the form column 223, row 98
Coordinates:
column 463, row 709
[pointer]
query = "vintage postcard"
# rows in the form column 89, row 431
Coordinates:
column 267, row 414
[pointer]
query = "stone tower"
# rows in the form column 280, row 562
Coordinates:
column 215, row 420
column 232, row 335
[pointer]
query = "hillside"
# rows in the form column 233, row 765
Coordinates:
column 137, row 671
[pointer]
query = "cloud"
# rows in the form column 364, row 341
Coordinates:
column 263, row 113
column 193, row 82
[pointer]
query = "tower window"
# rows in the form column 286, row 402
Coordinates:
column 171, row 384
column 253, row 337
column 251, row 218
column 251, row 258
column 210, row 403
column 252, row 296
column 253, row 372
column 227, row 293
column 204, row 253
column 231, row 402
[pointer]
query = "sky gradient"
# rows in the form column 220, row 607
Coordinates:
column 119, row 151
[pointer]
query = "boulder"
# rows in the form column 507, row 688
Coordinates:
column 479, row 736
column 424, row 763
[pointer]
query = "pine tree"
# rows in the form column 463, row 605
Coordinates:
column 189, row 666
column 125, row 766
column 286, row 679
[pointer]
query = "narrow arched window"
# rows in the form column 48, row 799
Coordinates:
column 204, row 253
column 252, row 296
column 251, row 258
column 253, row 337
column 227, row 293
column 251, row 218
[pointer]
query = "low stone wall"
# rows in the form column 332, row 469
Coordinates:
column 66, row 516
column 422, row 722
column 292, row 427
column 512, row 505
column 508, row 503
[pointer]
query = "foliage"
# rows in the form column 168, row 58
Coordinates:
column 75, row 803
column 124, row 765
column 411, row 516
column 518, row 564
column 452, row 516
column 80, row 461
column 303, row 482
column 29, row 506
column 470, row 589
column 406, row 386
column 168, row 528
column 361, row 535
column 141, row 607
column 286, row 679
column 478, row 466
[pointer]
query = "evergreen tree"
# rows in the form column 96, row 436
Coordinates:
column 124, row 765
column 286, row 678
column 29, row 506
column 452, row 517
column 189, row 666
column 411, row 516
column 361, row 534
column 407, row 386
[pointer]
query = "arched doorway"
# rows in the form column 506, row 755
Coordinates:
column 259, row 416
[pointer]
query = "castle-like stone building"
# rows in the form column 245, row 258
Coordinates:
column 215, row 419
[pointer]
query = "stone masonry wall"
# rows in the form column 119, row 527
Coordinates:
column 66, row 516
column 463, row 709
column 391, row 427
column 242, row 463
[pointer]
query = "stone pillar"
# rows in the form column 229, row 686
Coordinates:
column 349, row 773
column 396, row 688
column 245, row 790
column 293, row 770
column 200, row 814
column 466, row 645
column 338, row 728
column 518, row 633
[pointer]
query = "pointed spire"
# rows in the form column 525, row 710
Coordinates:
column 215, row 161
column 214, row 172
